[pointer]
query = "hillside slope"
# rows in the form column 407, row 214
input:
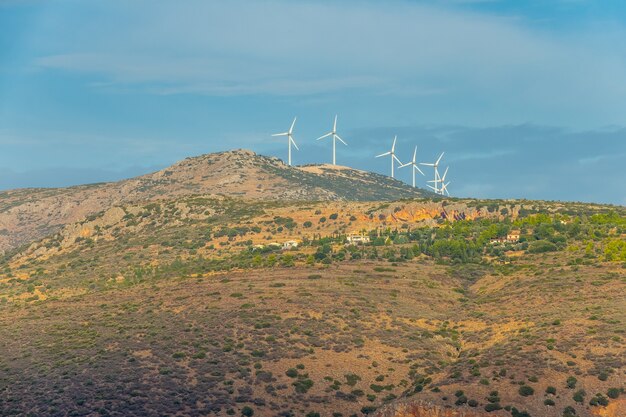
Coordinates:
column 30, row 214
column 183, row 307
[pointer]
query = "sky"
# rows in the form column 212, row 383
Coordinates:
column 527, row 97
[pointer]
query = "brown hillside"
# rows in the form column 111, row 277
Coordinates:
column 30, row 214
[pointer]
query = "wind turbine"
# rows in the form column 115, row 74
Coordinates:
column 414, row 165
column 290, row 140
column 335, row 136
column 444, row 185
column 435, row 165
column 444, row 188
column 393, row 155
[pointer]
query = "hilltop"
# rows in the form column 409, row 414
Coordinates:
column 30, row 214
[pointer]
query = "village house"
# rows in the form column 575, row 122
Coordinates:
column 357, row 239
column 513, row 236
column 290, row 244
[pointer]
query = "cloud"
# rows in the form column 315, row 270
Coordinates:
column 303, row 48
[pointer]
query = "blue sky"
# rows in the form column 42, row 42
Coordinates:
column 527, row 97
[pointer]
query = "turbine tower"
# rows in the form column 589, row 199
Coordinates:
column 290, row 140
column 392, row 152
column 414, row 165
column 435, row 165
column 335, row 137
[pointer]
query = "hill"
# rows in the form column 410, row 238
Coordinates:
column 30, row 214
column 183, row 305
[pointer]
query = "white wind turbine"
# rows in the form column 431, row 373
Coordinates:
column 435, row 165
column 444, row 185
column 335, row 137
column 414, row 165
column 392, row 152
column 290, row 140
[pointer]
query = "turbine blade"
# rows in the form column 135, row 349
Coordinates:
column 432, row 187
column 404, row 165
column 383, row 154
column 281, row 134
column 293, row 142
column 393, row 147
column 335, row 124
column 325, row 136
column 427, row 164
column 444, row 174
column 292, row 124
column 341, row 140
column 440, row 156
column 396, row 158
column 418, row 168
column 414, row 154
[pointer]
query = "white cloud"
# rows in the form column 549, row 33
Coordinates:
column 289, row 48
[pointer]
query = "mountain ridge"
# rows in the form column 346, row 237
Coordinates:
column 32, row 213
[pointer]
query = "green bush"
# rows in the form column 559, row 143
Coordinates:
column 525, row 391
column 493, row 407
column 551, row 390
column 569, row 411
column 541, row 246
column 571, row 382
column 247, row 411
column 303, row 385
column 579, row 396
column 613, row 393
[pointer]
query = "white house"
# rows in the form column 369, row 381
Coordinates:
column 290, row 244
column 358, row 239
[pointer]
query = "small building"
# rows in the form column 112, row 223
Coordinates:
column 357, row 239
column 513, row 236
column 258, row 247
column 290, row 244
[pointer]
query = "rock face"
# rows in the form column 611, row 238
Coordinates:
column 30, row 214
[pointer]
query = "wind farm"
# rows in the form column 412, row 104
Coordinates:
column 439, row 186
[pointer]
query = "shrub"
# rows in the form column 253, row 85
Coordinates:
column 312, row 414
column 472, row 403
column 333, row 216
column 548, row 401
column 571, row 382
column 307, row 224
column 613, row 393
column 493, row 407
column 599, row 399
column 569, row 411
column 351, row 379
column 541, row 246
column 291, row 373
column 551, row 390
column 303, row 385
column 579, row 396
column 247, row 411
column 525, row 391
